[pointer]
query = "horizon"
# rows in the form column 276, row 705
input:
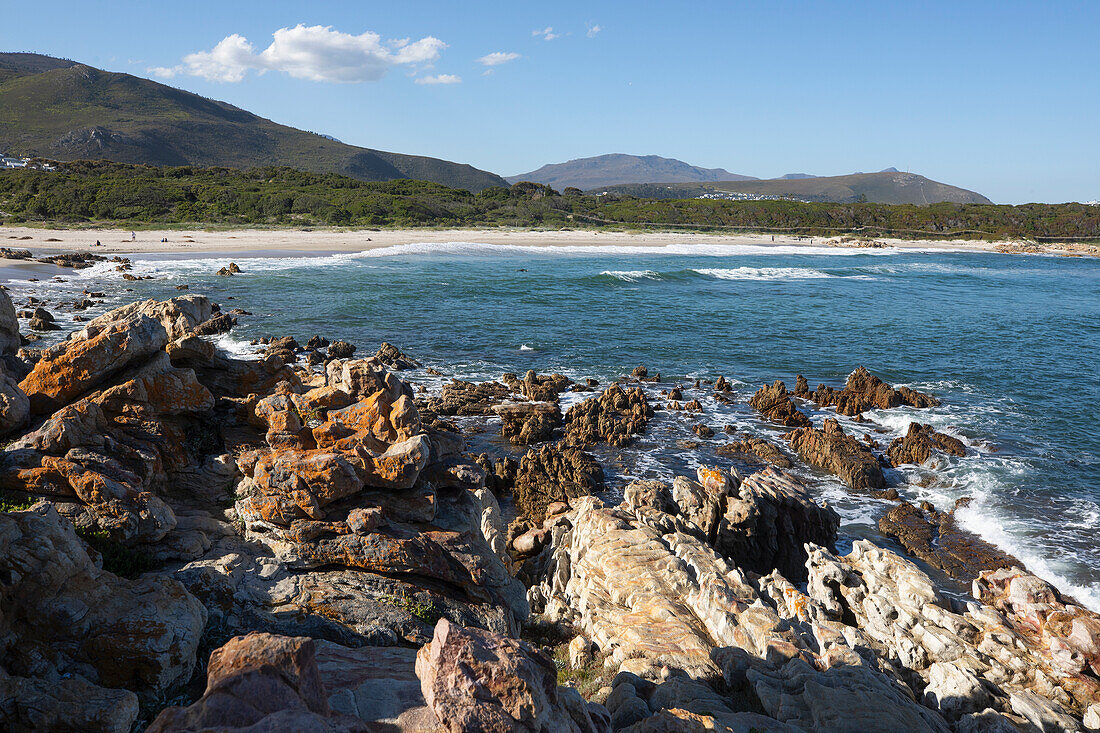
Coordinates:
column 573, row 82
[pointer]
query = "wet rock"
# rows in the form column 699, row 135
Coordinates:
column 935, row 538
column 468, row 398
column 285, row 348
column 42, row 320
column 614, row 417
column 702, row 431
column 525, row 423
column 752, row 449
column 863, row 391
column 260, row 682
column 232, row 269
column 776, row 405
column 830, row 449
column 538, row 387
column 768, row 521
column 554, row 473
column 920, row 442
column 477, row 681
column 394, row 358
column 341, row 350
column 216, row 325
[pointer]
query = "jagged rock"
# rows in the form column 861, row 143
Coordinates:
column 42, row 320
column 468, row 398
column 179, row 315
column 103, row 348
column 553, row 473
column 935, row 538
column 232, row 269
column 15, row 408
column 955, row 691
column 394, row 358
column 478, row 681
column 767, row 523
column 68, row 704
column 614, row 417
column 864, row 391
column 284, row 348
column 525, row 423
column 776, row 405
column 9, row 325
column 500, row 472
column 340, row 350
column 831, row 450
column 919, row 443
column 753, row 449
column 218, row 324
column 260, row 682
column 61, row 616
column 538, row 387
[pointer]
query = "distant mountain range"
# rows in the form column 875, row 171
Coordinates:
column 656, row 177
column 65, row 110
column 616, row 168
column 885, row 187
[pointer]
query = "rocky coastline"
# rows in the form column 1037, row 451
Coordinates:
column 311, row 540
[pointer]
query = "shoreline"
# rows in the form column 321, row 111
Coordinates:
column 322, row 241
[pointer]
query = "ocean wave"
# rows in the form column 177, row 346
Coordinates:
column 632, row 276
column 764, row 273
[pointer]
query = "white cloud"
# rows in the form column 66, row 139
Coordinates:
column 593, row 30
column 497, row 58
column 547, row 33
column 440, row 79
column 316, row 53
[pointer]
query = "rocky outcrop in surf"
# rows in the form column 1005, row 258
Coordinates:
column 862, row 392
column 831, row 449
column 775, row 404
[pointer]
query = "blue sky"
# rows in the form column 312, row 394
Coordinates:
column 1000, row 97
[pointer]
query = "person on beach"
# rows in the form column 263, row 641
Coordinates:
column 133, row 237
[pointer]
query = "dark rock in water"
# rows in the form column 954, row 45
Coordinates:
column 864, row 391
column 554, row 473
column 221, row 323
column 935, row 538
column 317, row 342
column 768, row 521
column 801, row 387
column 261, row 682
column 776, row 405
column 702, row 431
column 830, row 449
column 754, row 449
column 538, row 387
column 284, row 348
column 479, row 681
column 42, row 320
column 614, row 417
column 639, row 372
column 231, row 270
column 468, row 398
column 500, row 472
column 525, row 423
column 340, row 350
column 394, row 358
column 75, row 260
column 919, row 443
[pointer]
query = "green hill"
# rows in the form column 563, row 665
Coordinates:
column 886, row 187
column 608, row 170
column 68, row 111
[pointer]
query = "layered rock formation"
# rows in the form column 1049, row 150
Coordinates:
column 830, row 449
column 864, row 391
column 614, row 417
column 920, row 443
column 775, row 404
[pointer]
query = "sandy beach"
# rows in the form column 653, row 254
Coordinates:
column 115, row 241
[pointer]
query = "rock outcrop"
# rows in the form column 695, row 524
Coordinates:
column 775, row 404
column 526, row 423
column 830, row 449
column 920, row 443
column 478, row 681
column 614, row 417
column 755, row 450
column 863, row 391
column 554, row 473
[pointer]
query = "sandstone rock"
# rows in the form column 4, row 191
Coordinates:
column 538, row 387
column 1046, row 715
column 394, row 358
column 552, row 473
column 684, row 721
column 525, row 423
column 218, row 324
column 830, row 449
column 468, row 398
column 260, row 682
column 340, row 350
column 768, row 522
column 479, row 681
column 919, row 443
column 955, row 691
column 753, row 449
column 61, row 615
column 864, row 391
column 614, row 417
column 776, row 405
column 500, row 472
column 90, row 356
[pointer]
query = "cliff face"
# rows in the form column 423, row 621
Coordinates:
column 306, row 537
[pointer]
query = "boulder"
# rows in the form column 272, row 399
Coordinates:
column 260, row 682
column 479, row 681
column 538, row 387
column 919, row 444
column 9, row 325
column 863, row 391
column 830, row 449
column 754, row 450
column 394, row 358
column 15, row 407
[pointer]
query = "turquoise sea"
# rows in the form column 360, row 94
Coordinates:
column 1010, row 344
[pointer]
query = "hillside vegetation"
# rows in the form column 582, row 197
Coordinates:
column 608, row 170
column 887, row 187
column 113, row 192
column 68, row 111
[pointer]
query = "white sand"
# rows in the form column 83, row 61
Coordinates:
column 198, row 241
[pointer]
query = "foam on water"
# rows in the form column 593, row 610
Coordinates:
column 764, row 273
column 632, row 276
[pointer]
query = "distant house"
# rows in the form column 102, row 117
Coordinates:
column 9, row 162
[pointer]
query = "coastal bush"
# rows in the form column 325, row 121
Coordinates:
column 132, row 195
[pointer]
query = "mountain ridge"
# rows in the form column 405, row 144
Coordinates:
column 617, row 168
column 66, row 110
